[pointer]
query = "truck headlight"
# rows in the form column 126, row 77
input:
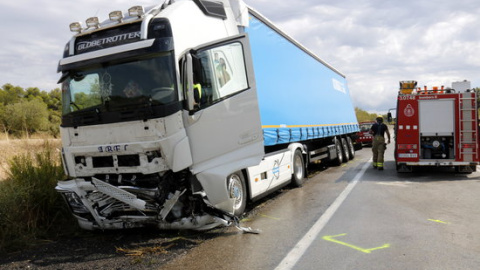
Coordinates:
column 75, row 203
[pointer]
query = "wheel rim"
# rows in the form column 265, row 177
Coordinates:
column 235, row 189
column 298, row 167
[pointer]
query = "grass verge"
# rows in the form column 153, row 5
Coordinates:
column 31, row 210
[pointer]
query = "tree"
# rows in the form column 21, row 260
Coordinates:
column 54, row 100
column 363, row 116
column 26, row 116
column 3, row 123
column 11, row 94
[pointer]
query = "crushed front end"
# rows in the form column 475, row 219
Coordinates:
column 128, row 185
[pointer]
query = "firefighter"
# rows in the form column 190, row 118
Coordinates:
column 379, row 146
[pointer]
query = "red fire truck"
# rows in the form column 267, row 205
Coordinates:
column 363, row 136
column 436, row 127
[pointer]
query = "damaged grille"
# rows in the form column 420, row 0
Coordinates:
column 142, row 163
column 128, row 160
column 102, row 162
column 122, row 161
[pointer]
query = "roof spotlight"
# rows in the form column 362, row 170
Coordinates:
column 136, row 11
column 92, row 22
column 116, row 15
column 76, row 27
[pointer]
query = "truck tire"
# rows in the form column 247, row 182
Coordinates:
column 237, row 190
column 338, row 149
column 346, row 153
column 351, row 148
column 298, row 176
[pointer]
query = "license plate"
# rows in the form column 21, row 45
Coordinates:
column 407, row 155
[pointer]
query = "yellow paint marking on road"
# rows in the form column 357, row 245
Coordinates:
column 364, row 250
column 438, row 221
column 270, row 217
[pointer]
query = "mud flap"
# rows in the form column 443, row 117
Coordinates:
column 464, row 169
column 403, row 168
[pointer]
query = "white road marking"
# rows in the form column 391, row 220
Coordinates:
column 395, row 183
column 301, row 247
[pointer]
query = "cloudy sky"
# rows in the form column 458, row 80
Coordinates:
column 375, row 43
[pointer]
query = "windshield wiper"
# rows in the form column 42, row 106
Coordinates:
column 76, row 106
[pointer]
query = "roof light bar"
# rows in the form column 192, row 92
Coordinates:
column 116, row 15
column 136, row 11
column 76, row 27
column 92, row 22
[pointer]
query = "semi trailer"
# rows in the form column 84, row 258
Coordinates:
column 178, row 114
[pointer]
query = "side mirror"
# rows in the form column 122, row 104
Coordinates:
column 389, row 117
column 187, row 80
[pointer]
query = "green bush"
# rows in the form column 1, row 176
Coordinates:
column 30, row 208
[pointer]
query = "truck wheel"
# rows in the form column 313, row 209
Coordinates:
column 346, row 153
column 338, row 148
column 351, row 148
column 237, row 190
column 298, row 176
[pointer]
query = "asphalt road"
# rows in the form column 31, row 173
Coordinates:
column 346, row 217
column 355, row 217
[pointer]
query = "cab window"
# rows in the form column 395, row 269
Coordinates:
column 221, row 72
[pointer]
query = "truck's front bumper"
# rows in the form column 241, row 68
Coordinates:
column 88, row 201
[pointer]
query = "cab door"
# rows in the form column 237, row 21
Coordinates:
column 222, row 119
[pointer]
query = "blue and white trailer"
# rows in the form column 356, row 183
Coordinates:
column 177, row 115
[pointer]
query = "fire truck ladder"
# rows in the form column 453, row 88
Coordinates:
column 468, row 127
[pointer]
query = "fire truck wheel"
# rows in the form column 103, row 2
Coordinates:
column 351, row 148
column 298, row 176
column 238, row 191
column 346, row 153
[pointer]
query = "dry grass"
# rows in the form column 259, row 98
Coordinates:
column 14, row 147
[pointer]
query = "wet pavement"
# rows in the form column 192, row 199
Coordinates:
column 423, row 220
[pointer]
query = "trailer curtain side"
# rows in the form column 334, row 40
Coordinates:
column 300, row 96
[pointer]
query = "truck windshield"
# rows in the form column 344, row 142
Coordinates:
column 116, row 86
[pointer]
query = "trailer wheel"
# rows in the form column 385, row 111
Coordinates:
column 338, row 148
column 238, row 191
column 351, row 148
column 298, row 176
column 346, row 153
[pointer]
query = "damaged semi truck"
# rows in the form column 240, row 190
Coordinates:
column 177, row 115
